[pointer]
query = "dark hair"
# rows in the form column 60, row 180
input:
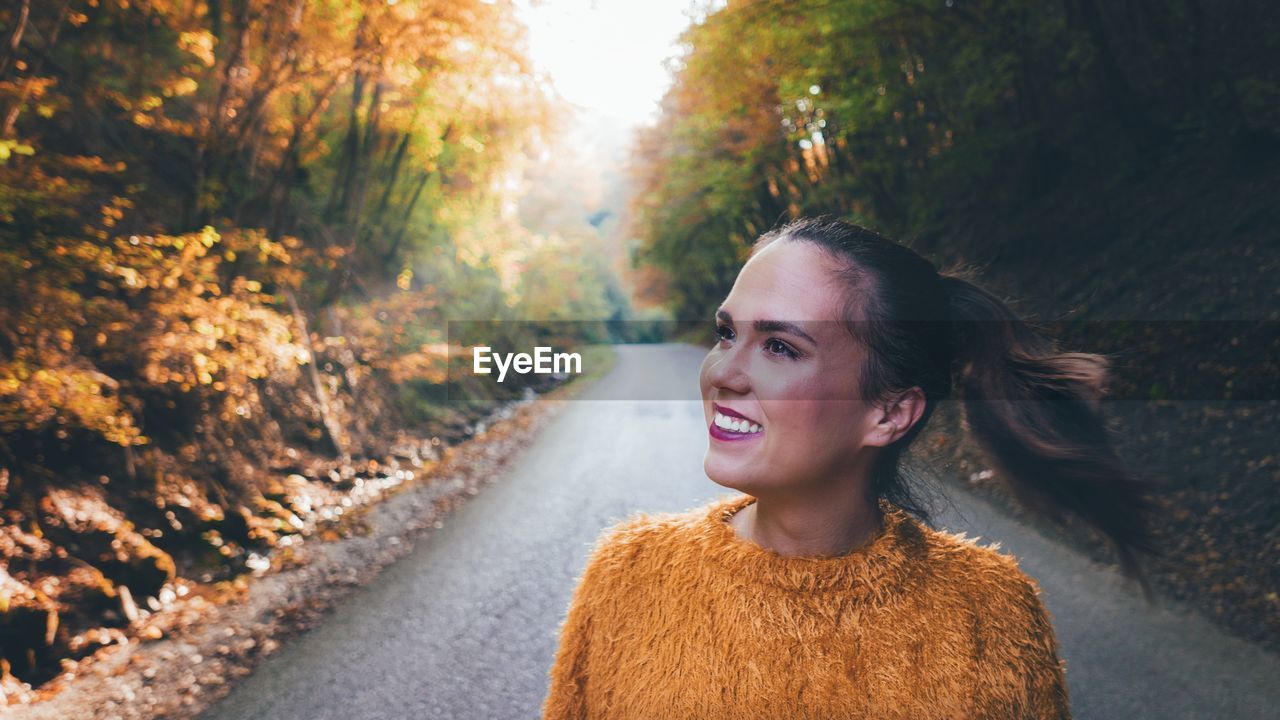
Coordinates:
column 1034, row 411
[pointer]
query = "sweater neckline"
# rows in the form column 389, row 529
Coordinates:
column 869, row 569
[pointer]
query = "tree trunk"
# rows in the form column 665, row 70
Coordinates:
column 1118, row 93
column 333, row 432
column 404, row 220
column 11, row 117
column 15, row 38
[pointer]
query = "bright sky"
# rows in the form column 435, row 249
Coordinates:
column 607, row 55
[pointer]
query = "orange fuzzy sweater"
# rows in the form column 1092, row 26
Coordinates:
column 676, row 616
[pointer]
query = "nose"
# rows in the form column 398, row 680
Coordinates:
column 725, row 370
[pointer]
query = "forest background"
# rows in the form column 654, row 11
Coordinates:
column 233, row 232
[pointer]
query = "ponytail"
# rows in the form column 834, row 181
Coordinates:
column 1036, row 414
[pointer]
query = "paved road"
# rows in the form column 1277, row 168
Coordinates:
column 466, row 626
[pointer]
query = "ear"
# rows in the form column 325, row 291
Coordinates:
column 895, row 418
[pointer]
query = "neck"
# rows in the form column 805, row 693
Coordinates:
column 810, row 527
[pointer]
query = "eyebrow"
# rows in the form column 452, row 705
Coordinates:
column 765, row 326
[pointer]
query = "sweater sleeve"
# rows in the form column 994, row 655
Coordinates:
column 566, row 697
column 1019, row 672
column 567, row 694
column 1047, row 697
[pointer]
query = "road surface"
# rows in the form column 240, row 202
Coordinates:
column 467, row 625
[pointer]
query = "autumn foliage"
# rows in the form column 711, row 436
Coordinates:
column 229, row 244
column 935, row 120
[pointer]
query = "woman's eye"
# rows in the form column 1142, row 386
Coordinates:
column 777, row 347
column 722, row 331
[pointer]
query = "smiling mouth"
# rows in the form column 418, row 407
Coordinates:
column 731, row 427
column 735, row 425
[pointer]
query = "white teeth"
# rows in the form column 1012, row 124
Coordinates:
column 735, row 424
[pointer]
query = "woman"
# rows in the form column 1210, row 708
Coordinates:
column 817, row 593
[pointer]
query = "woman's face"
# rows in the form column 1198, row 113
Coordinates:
column 797, row 386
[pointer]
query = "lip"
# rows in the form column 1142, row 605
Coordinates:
column 719, row 434
column 731, row 413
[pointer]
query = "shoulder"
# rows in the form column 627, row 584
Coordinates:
column 645, row 541
column 1015, row 647
column 1000, row 604
column 986, row 577
column 630, row 537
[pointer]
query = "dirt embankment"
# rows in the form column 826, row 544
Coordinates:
column 176, row 661
column 104, row 546
column 178, row 653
